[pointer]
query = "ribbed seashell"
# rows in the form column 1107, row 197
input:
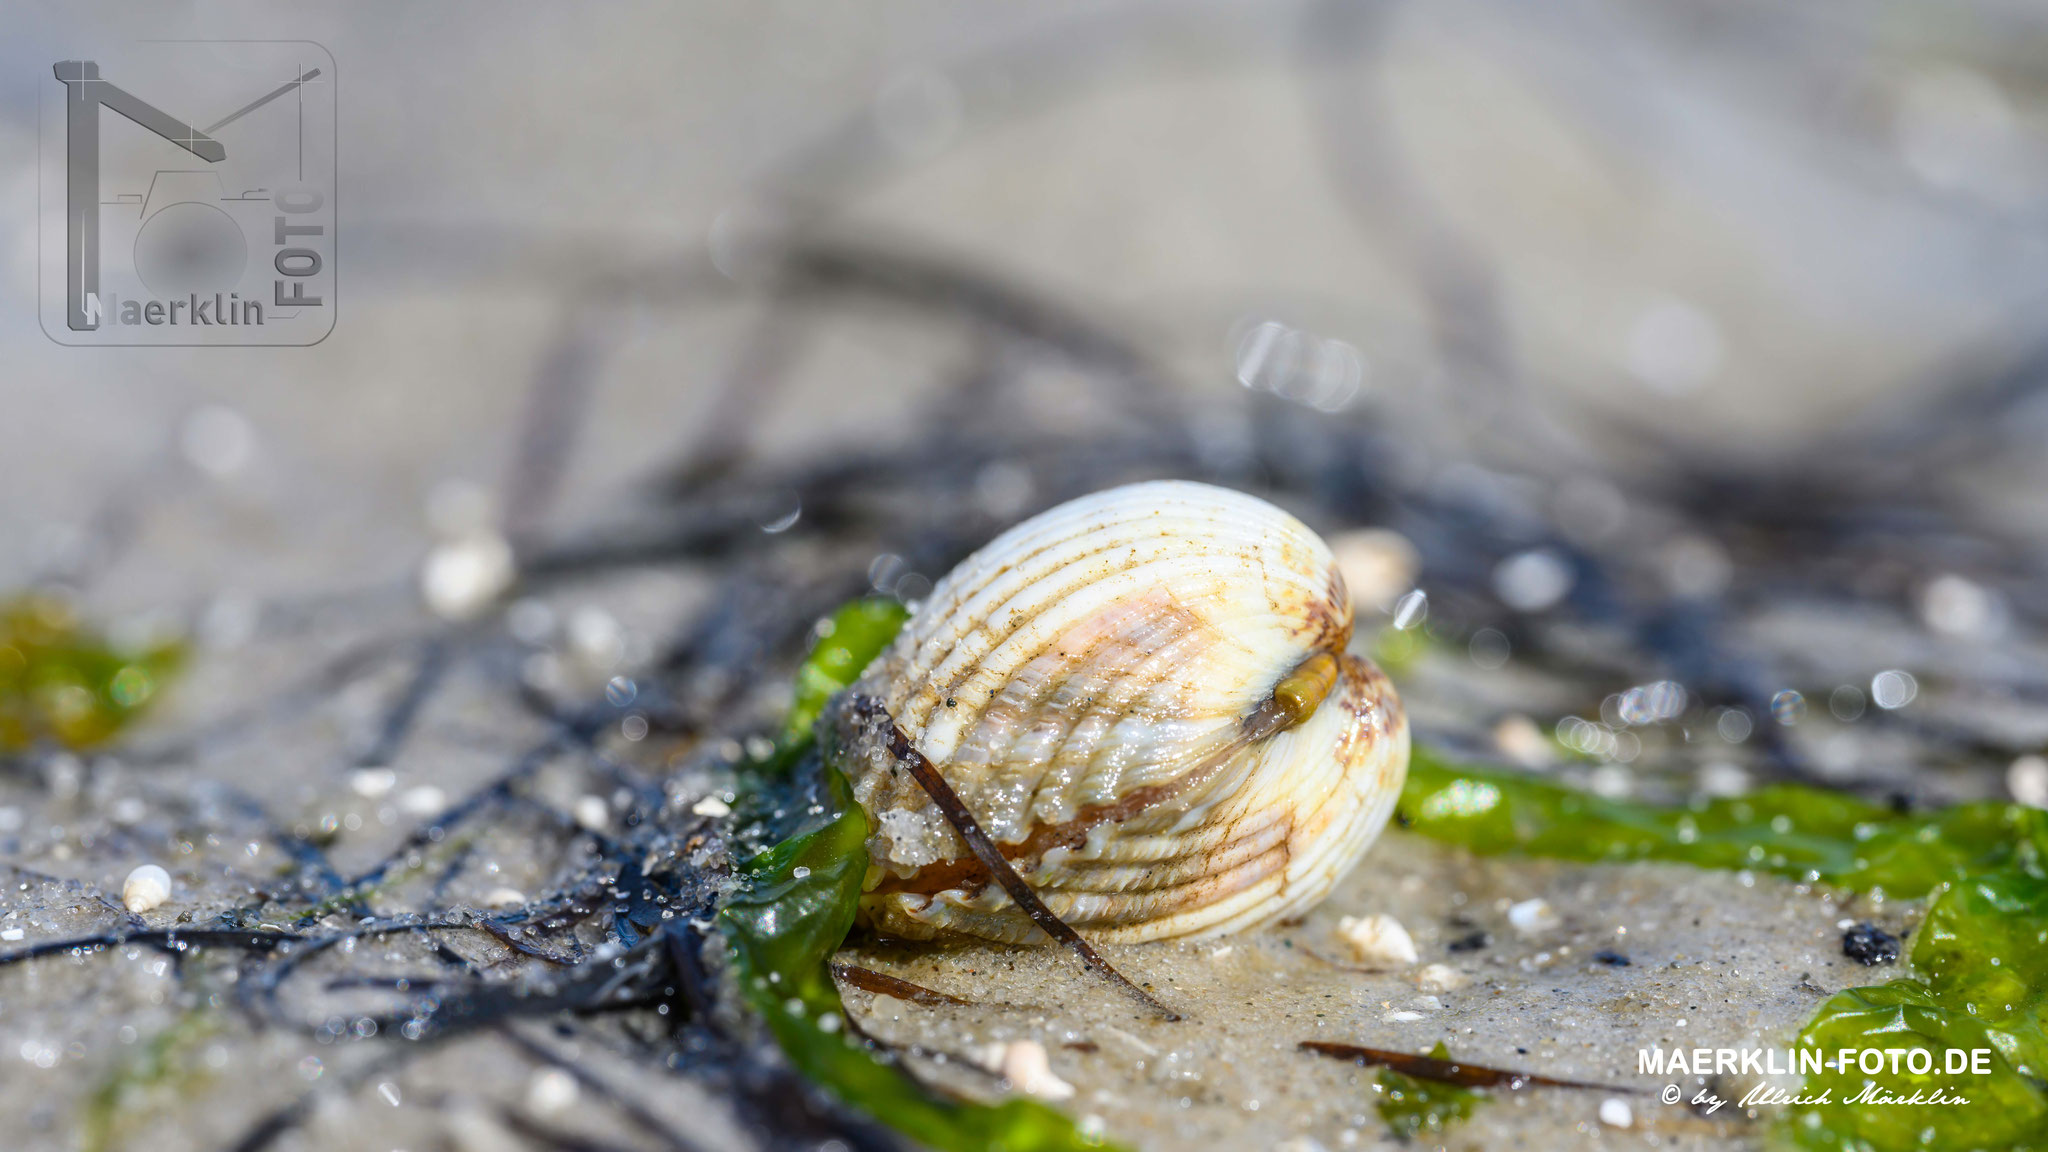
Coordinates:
column 1143, row 697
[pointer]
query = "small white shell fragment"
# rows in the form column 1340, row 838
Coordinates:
column 145, row 888
column 1442, row 978
column 1023, row 1063
column 712, row 806
column 1615, row 1113
column 592, row 813
column 1403, row 1017
column 1521, row 741
column 2027, row 780
column 551, row 1092
column 1378, row 565
column 11, row 934
column 1378, row 941
column 425, row 801
column 504, row 898
column 462, row 577
column 372, row 783
column 1533, row 917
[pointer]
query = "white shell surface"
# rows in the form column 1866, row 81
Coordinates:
column 1083, row 683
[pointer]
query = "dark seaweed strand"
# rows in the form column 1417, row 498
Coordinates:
column 166, row 939
column 883, row 984
column 1462, row 1073
column 984, row 849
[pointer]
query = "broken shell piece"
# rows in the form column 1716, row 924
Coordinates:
column 1441, row 978
column 1520, row 740
column 1378, row 565
column 1378, row 941
column 551, row 1092
column 145, row 888
column 1533, row 917
column 1023, row 1063
column 424, row 801
column 504, row 898
column 372, row 783
column 592, row 813
column 1143, row 698
column 463, row 577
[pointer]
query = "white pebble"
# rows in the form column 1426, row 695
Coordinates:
column 711, row 806
column 1533, row 917
column 370, row 783
column 1378, row 941
column 145, row 888
column 11, row 934
column 1520, row 740
column 462, row 577
column 2027, row 779
column 1954, row 606
column 1615, row 1113
column 504, row 898
column 592, row 814
column 1442, row 978
column 1023, row 1063
column 425, row 801
column 1403, row 1017
column 1532, row 581
column 551, row 1091
column 1377, row 565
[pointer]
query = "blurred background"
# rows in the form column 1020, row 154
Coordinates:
column 1686, row 347
column 1603, row 237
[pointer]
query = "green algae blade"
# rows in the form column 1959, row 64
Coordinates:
column 794, row 907
column 1980, row 958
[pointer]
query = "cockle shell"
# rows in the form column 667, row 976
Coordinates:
column 1143, row 697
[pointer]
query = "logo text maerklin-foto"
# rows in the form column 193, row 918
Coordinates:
column 188, row 195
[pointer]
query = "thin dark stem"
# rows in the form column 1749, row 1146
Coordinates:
column 955, row 811
column 1463, row 1073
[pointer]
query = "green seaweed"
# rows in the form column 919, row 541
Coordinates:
column 60, row 681
column 794, row 907
column 1804, row 833
column 1981, row 964
column 1411, row 1106
column 845, row 642
column 167, row 1065
column 1980, row 957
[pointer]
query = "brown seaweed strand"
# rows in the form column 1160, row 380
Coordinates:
column 1463, row 1073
